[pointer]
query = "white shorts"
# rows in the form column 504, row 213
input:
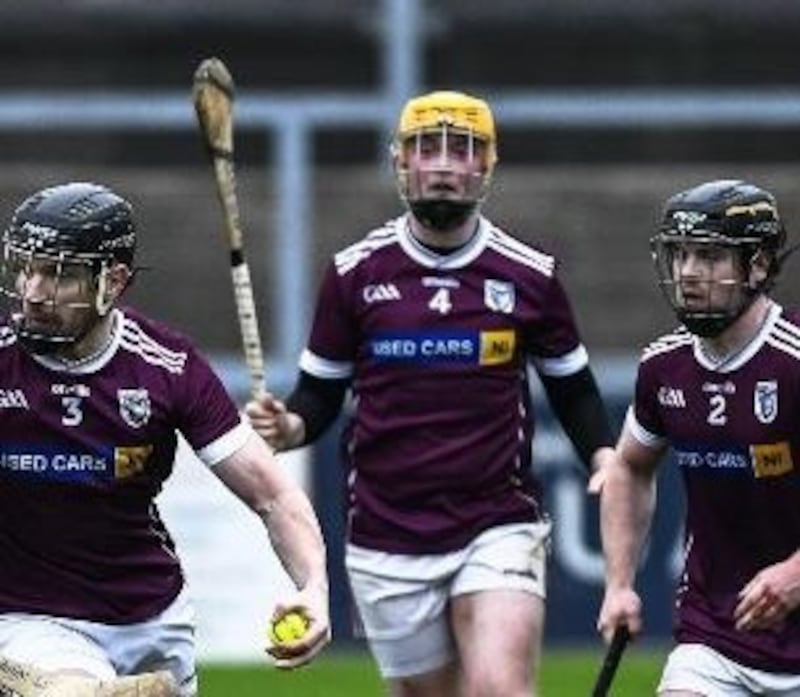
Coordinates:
column 402, row 599
column 165, row 642
column 698, row 668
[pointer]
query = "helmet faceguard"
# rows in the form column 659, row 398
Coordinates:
column 444, row 153
column 60, row 252
column 715, row 222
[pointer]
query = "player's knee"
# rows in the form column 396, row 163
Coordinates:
column 498, row 681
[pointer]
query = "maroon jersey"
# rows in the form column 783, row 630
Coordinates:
column 83, row 452
column 734, row 432
column 437, row 347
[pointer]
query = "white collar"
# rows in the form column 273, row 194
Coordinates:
column 736, row 359
column 435, row 260
column 93, row 362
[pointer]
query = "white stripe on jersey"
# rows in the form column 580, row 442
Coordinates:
column 351, row 256
column 667, row 343
column 323, row 368
column 640, row 433
column 227, row 444
column 775, row 342
column 561, row 366
column 134, row 339
column 785, row 336
column 505, row 244
column 787, row 331
column 7, row 336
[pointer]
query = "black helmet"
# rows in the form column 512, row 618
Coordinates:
column 74, row 235
column 81, row 219
column 723, row 213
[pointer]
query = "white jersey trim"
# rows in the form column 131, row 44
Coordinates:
column 511, row 248
column 8, row 336
column 134, row 339
column 640, row 433
column 729, row 364
column 455, row 260
column 667, row 343
column 323, row 368
column 350, row 257
column 561, row 366
column 126, row 334
column 785, row 337
column 226, row 445
column 93, row 363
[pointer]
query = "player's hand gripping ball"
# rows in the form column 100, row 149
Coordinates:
column 290, row 627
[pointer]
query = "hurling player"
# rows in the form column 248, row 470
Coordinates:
column 723, row 393
column 92, row 398
column 431, row 321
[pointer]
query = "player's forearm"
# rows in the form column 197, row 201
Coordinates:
column 296, row 538
column 626, row 510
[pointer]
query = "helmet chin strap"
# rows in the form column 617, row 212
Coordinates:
column 37, row 343
column 711, row 325
column 53, row 346
column 103, row 301
column 442, row 215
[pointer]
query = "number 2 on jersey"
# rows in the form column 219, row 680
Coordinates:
column 717, row 415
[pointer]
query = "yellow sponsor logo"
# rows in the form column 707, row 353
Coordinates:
column 771, row 459
column 131, row 460
column 497, row 347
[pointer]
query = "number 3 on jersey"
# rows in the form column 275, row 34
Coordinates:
column 73, row 415
column 440, row 302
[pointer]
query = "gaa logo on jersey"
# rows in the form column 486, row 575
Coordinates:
column 134, row 406
column 765, row 401
column 380, row 291
column 499, row 296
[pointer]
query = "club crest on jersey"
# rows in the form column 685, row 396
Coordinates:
column 765, row 401
column 499, row 296
column 134, row 406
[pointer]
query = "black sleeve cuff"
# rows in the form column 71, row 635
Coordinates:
column 576, row 402
column 317, row 402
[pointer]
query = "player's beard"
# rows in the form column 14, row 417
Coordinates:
column 442, row 215
column 49, row 334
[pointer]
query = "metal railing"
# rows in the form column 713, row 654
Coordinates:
column 292, row 121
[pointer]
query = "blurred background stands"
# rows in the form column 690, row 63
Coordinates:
column 604, row 109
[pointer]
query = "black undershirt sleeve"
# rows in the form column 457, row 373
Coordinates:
column 317, row 401
column 577, row 403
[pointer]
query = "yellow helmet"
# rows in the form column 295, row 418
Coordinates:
column 451, row 115
column 456, row 110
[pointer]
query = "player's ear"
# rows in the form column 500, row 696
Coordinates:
column 112, row 284
column 759, row 268
column 119, row 276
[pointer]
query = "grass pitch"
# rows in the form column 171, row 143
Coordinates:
column 565, row 673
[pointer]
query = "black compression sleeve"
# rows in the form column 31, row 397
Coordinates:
column 317, row 401
column 579, row 407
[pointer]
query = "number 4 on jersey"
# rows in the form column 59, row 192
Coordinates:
column 440, row 302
